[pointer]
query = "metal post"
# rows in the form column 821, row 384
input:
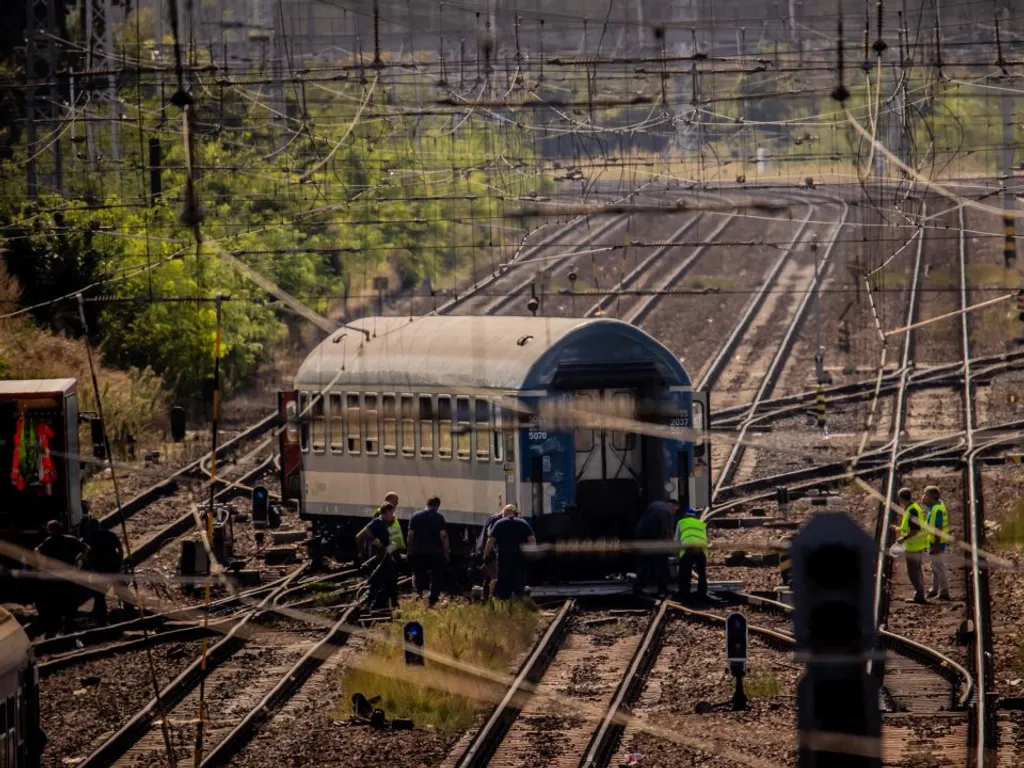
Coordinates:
column 1009, row 203
column 41, row 103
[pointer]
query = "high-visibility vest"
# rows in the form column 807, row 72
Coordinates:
column 919, row 541
column 942, row 525
column 395, row 532
column 692, row 533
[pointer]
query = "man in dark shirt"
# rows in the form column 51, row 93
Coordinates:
column 429, row 549
column 105, row 557
column 488, row 566
column 56, row 597
column 508, row 536
column 383, row 579
column 655, row 525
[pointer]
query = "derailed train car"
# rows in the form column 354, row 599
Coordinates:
column 21, row 740
column 484, row 411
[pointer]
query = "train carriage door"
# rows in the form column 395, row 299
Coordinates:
column 700, row 471
column 588, row 455
column 625, row 454
column 289, row 444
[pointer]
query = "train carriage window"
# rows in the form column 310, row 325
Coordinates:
column 584, row 435
column 444, row 426
column 464, row 428
column 336, row 414
column 507, row 426
column 389, row 420
column 408, row 426
column 482, row 417
column 372, row 419
column 319, row 424
column 426, row 426
column 623, row 407
column 352, row 425
column 304, row 421
column 498, row 441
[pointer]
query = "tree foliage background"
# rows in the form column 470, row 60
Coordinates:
column 320, row 186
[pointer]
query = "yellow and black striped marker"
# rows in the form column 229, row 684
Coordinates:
column 1010, row 242
column 844, row 337
column 785, row 567
column 821, row 406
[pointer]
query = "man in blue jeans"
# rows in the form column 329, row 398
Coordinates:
column 429, row 549
column 508, row 537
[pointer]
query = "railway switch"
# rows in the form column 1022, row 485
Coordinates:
column 413, row 633
column 736, row 655
column 837, row 699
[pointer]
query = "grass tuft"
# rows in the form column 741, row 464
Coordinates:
column 762, row 686
column 483, row 636
column 1011, row 528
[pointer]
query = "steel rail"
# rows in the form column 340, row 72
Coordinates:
column 485, row 741
column 947, row 455
column 982, row 731
column 883, row 563
column 169, row 485
column 606, row 737
column 502, row 302
column 150, row 546
column 117, row 745
column 943, row 665
column 775, row 368
column 933, row 377
column 643, row 308
column 282, row 692
column 520, row 258
column 640, row 269
column 717, row 365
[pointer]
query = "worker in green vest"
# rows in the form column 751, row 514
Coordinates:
column 692, row 537
column 914, row 539
column 395, row 528
column 938, row 537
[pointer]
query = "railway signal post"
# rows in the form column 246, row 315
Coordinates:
column 413, row 634
column 736, row 655
column 837, row 700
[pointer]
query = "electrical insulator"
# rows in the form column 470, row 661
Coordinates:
column 533, row 304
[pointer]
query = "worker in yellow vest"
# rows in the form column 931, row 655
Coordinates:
column 938, row 536
column 914, row 539
column 692, row 537
column 395, row 528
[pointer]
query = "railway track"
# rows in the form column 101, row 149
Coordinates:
column 241, row 672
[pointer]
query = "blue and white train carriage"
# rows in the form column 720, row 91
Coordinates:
column 450, row 406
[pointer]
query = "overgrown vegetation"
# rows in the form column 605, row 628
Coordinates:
column 1011, row 529
column 320, row 191
column 132, row 398
column 484, row 637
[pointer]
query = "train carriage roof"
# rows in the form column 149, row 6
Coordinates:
column 503, row 353
column 25, row 387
